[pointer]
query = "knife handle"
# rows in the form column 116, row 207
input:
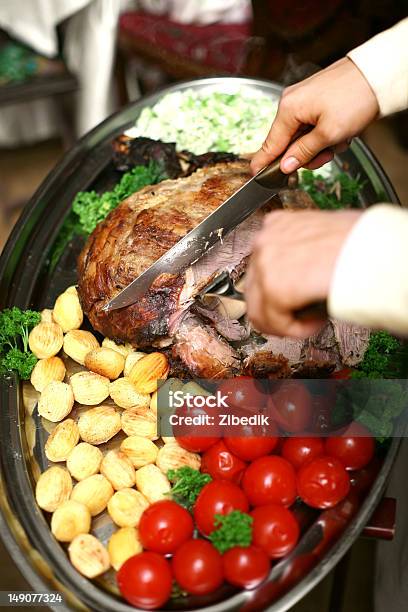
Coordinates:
column 272, row 176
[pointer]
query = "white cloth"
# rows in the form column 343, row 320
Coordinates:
column 370, row 287
column 200, row 11
column 370, row 281
column 384, row 62
column 89, row 49
column 34, row 22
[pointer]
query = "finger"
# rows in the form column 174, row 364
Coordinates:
column 341, row 147
column 303, row 329
column 256, row 314
column 283, row 129
column 253, row 297
column 282, row 322
column 304, row 149
column 269, row 320
column 322, row 158
column 327, row 155
column 260, row 309
column 247, row 156
column 266, row 317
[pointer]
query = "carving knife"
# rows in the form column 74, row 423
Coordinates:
column 238, row 207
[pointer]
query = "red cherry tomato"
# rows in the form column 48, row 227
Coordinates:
column 354, row 448
column 323, row 482
column 197, row 567
column 196, row 444
column 298, row 450
column 219, row 462
column 164, row 526
column 249, row 448
column 270, row 480
column 196, row 429
column 145, row 580
column 275, row 530
column 243, row 392
column 291, row 406
column 217, row 497
column 245, row 566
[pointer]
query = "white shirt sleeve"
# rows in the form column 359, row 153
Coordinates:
column 370, row 282
column 384, row 62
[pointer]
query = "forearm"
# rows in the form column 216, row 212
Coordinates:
column 383, row 60
column 370, row 281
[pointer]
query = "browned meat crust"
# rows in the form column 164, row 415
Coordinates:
column 265, row 364
column 206, row 354
column 135, row 235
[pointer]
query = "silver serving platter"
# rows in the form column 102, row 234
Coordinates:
column 25, row 281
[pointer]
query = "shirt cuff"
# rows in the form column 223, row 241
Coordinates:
column 370, row 281
column 383, row 60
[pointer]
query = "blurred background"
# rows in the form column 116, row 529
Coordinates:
column 65, row 65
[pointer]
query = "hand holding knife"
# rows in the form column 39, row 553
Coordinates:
column 237, row 208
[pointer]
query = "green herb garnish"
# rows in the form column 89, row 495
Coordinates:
column 331, row 193
column 15, row 326
column 92, row 208
column 377, row 358
column 234, row 529
column 384, row 402
column 20, row 362
column 188, row 483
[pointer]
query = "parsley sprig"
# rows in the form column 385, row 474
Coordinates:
column 187, row 484
column 233, row 529
column 376, row 362
column 340, row 191
column 92, row 208
column 15, row 326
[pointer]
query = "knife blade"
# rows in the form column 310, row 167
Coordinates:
column 233, row 211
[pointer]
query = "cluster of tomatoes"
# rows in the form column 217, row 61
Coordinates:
column 261, row 476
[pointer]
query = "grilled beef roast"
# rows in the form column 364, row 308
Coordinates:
column 144, row 227
column 138, row 232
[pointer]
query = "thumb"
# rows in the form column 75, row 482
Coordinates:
column 304, row 149
column 278, row 138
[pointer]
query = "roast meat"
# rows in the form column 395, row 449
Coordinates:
column 138, row 232
column 202, row 339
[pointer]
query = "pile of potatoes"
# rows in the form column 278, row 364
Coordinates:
column 85, row 477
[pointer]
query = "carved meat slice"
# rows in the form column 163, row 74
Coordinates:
column 352, row 341
column 203, row 351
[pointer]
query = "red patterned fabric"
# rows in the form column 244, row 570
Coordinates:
column 221, row 46
column 297, row 17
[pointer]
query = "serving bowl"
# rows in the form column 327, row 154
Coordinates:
column 26, row 280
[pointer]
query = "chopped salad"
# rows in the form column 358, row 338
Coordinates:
column 209, row 121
